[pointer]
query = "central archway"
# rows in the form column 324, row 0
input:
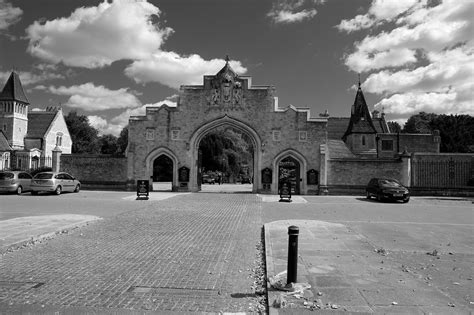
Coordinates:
column 225, row 121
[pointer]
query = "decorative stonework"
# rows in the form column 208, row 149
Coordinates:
column 226, row 91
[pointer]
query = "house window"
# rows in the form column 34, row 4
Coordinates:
column 59, row 139
column 303, row 136
column 387, row 145
column 174, row 134
column 150, row 134
column 363, row 140
column 276, row 135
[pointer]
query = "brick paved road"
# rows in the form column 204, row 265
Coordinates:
column 193, row 252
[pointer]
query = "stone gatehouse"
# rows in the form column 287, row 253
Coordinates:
column 287, row 142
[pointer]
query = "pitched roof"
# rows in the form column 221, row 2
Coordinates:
column 339, row 149
column 336, row 127
column 4, row 145
column 13, row 90
column 39, row 122
column 360, row 121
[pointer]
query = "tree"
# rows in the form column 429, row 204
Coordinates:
column 85, row 138
column 394, row 127
column 419, row 123
column 456, row 131
column 122, row 140
column 108, row 144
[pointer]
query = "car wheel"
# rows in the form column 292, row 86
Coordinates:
column 367, row 195
column 19, row 190
column 78, row 187
column 57, row 191
column 34, row 192
column 406, row 200
column 379, row 197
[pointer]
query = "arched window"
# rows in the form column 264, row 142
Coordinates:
column 59, row 139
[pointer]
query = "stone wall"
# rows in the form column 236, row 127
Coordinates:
column 96, row 171
column 352, row 175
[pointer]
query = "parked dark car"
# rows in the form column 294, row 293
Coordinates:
column 208, row 179
column 387, row 189
column 55, row 182
column 15, row 181
column 245, row 180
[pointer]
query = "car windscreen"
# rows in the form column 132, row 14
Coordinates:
column 6, row 175
column 44, row 176
column 389, row 183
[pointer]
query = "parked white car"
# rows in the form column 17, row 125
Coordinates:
column 55, row 182
column 15, row 181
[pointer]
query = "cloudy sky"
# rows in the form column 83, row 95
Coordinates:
column 110, row 59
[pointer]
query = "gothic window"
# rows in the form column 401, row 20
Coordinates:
column 387, row 145
column 150, row 134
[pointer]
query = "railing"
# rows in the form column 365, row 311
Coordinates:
column 25, row 163
column 442, row 174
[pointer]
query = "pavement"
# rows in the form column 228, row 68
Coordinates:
column 118, row 266
column 339, row 270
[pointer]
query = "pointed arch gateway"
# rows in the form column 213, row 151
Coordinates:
column 160, row 153
column 290, row 165
column 224, row 121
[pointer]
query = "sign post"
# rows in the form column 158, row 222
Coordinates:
column 143, row 189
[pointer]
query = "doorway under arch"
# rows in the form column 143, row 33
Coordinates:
column 290, row 165
column 225, row 122
column 162, row 169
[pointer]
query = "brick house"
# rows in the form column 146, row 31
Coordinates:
column 28, row 138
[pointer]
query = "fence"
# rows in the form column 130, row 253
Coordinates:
column 25, row 163
column 450, row 173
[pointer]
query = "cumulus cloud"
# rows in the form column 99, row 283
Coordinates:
column 293, row 11
column 379, row 11
column 171, row 69
column 423, row 60
column 89, row 97
column 115, row 125
column 8, row 14
column 91, row 37
column 29, row 78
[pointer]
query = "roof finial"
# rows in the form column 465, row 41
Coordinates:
column 227, row 59
column 359, row 80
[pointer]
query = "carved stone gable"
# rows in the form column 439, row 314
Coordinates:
column 226, row 91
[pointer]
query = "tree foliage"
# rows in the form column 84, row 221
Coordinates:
column 456, row 131
column 394, row 127
column 226, row 150
column 85, row 138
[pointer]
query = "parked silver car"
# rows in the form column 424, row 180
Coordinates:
column 55, row 182
column 15, row 181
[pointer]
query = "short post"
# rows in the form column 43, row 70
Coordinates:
column 293, row 232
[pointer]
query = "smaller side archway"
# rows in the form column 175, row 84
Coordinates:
column 158, row 153
column 291, row 156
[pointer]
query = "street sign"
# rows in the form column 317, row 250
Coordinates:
column 285, row 191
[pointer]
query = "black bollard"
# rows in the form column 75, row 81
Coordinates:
column 293, row 232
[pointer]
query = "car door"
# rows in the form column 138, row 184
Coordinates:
column 25, row 181
column 68, row 182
